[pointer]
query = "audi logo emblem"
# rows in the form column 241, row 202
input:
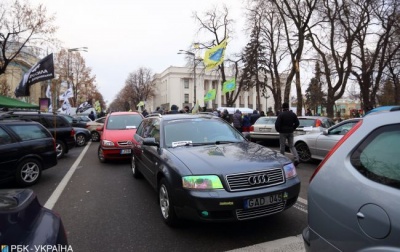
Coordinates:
column 258, row 179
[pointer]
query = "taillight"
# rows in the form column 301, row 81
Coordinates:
column 72, row 132
column 251, row 128
column 335, row 147
column 318, row 123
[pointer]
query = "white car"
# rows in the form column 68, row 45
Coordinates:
column 317, row 145
column 92, row 127
column 264, row 129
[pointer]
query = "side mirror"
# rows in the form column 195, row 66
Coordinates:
column 325, row 132
column 150, row 141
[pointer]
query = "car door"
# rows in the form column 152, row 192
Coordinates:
column 9, row 154
column 325, row 142
column 150, row 154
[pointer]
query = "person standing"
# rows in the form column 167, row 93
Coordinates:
column 285, row 124
column 91, row 116
column 238, row 120
column 254, row 117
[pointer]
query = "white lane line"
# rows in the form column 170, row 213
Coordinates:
column 60, row 188
column 303, row 206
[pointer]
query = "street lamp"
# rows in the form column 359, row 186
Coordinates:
column 194, row 71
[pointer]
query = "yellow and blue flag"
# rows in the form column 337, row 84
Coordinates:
column 229, row 85
column 196, row 107
column 210, row 95
column 141, row 103
column 215, row 55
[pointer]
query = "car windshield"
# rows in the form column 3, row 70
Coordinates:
column 199, row 132
column 266, row 120
column 118, row 122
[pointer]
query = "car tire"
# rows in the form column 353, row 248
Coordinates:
column 100, row 155
column 303, row 151
column 135, row 170
column 60, row 148
column 166, row 207
column 80, row 140
column 95, row 136
column 28, row 172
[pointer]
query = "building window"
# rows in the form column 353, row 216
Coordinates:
column 186, row 83
column 186, row 98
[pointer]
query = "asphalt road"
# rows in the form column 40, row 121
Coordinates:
column 105, row 209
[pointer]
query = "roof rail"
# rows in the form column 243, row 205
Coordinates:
column 154, row 114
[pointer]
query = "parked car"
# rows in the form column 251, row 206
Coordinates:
column 317, row 145
column 76, row 121
column 26, row 149
column 92, row 127
column 82, row 136
column 383, row 108
column 117, row 135
column 264, row 129
column 354, row 194
column 311, row 124
column 205, row 170
column 58, row 126
column 24, row 221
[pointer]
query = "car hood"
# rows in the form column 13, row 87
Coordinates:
column 118, row 135
column 228, row 158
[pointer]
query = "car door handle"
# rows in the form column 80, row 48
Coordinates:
column 360, row 215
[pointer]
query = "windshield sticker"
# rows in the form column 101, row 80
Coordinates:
column 131, row 127
column 181, row 143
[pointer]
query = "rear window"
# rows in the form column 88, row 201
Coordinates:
column 306, row 122
column 377, row 158
column 30, row 132
column 265, row 120
column 117, row 122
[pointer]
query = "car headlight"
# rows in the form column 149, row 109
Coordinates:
column 107, row 143
column 290, row 171
column 202, row 182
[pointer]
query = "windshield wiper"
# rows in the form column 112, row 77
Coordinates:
column 225, row 142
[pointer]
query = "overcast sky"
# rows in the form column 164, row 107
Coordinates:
column 124, row 35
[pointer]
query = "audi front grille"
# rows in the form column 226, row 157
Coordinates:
column 255, row 180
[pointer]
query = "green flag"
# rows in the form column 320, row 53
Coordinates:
column 229, row 85
column 210, row 95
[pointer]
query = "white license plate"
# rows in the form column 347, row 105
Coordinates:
column 265, row 130
column 262, row 201
column 125, row 151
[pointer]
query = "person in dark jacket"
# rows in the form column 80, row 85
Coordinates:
column 285, row 124
column 254, row 117
column 237, row 120
column 174, row 109
column 225, row 115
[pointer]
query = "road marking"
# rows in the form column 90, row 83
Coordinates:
column 60, row 188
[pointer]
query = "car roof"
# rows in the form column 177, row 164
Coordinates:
column 125, row 113
column 384, row 108
column 169, row 117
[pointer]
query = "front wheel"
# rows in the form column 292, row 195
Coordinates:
column 28, row 172
column 166, row 206
column 100, row 155
column 135, row 171
column 303, row 151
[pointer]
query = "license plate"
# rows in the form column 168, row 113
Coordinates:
column 126, row 151
column 265, row 130
column 262, row 201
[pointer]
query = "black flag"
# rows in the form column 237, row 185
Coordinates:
column 41, row 71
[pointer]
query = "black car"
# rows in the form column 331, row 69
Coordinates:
column 77, row 121
column 26, row 149
column 25, row 222
column 204, row 169
column 58, row 126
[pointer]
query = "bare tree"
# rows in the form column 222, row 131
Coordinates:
column 296, row 16
column 218, row 26
column 139, row 86
column 22, row 28
column 376, row 46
